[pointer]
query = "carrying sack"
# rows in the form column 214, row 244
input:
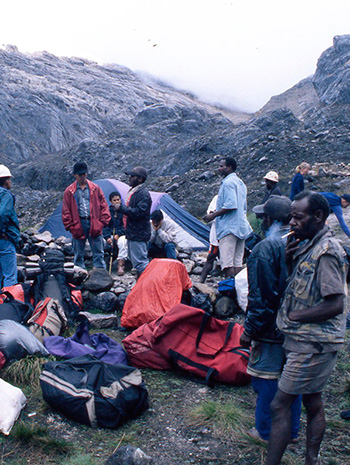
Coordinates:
column 139, row 346
column 18, row 291
column 93, row 392
column 241, row 283
column 227, row 287
column 48, row 319
column 14, row 310
column 12, row 401
column 52, row 282
column 158, row 289
column 81, row 343
column 16, row 341
column 202, row 345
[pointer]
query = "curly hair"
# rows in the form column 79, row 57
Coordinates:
column 316, row 202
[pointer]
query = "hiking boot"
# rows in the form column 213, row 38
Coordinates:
column 121, row 267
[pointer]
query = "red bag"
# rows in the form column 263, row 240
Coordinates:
column 140, row 349
column 158, row 289
column 17, row 292
column 202, row 345
column 76, row 296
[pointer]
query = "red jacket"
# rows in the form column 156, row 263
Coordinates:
column 99, row 211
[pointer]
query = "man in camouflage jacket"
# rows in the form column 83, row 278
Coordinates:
column 312, row 319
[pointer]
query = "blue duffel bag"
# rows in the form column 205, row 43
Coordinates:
column 94, row 393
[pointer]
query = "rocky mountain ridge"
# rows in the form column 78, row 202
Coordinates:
column 55, row 111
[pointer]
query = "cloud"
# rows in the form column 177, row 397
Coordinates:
column 233, row 52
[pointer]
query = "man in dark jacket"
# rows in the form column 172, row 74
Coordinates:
column 84, row 214
column 9, row 231
column 267, row 276
column 137, row 210
column 272, row 187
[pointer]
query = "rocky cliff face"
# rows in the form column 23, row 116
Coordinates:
column 56, row 111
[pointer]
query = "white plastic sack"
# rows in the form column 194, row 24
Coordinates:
column 241, row 283
column 12, row 400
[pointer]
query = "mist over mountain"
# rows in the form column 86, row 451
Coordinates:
column 56, row 111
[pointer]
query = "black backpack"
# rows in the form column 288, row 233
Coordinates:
column 94, row 393
column 15, row 310
column 52, row 282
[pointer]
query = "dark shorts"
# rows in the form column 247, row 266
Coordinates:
column 306, row 373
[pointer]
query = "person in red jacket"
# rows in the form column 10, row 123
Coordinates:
column 85, row 213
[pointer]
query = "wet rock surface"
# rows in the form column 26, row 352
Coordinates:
column 179, row 139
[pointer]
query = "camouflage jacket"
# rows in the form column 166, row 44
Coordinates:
column 303, row 292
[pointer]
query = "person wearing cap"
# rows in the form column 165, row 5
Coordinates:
column 137, row 210
column 271, row 182
column 9, row 230
column 267, row 279
column 336, row 204
column 84, row 214
column 232, row 226
column 312, row 318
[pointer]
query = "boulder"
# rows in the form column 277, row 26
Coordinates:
column 129, row 455
column 46, row 237
column 106, row 302
column 99, row 320
column 225, row 307
column 98, row 281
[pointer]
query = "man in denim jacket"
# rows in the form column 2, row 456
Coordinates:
column 9, row 230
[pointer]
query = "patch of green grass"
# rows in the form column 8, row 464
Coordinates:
column 227, row 419
column 39, row 436
column 25, row 372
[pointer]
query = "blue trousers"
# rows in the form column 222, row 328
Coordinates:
column 8, row 263
column 266, row 390
column 96, row 244
column 137, row 253
column 168, row 250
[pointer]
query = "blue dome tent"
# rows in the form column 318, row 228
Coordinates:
column 191, row 233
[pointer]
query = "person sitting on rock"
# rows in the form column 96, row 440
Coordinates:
column 163, row 235
column 336, row 204
column 272, row 188
column 114, row 233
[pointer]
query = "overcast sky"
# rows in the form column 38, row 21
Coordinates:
column 237, row 53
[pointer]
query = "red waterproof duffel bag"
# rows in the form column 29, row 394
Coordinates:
column 139, row 347
column 200, row 344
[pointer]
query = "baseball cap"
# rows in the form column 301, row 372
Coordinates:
column 271, row 176
column 276, row 207
column 80, row 167
column 137, row 171
column 346, row 197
